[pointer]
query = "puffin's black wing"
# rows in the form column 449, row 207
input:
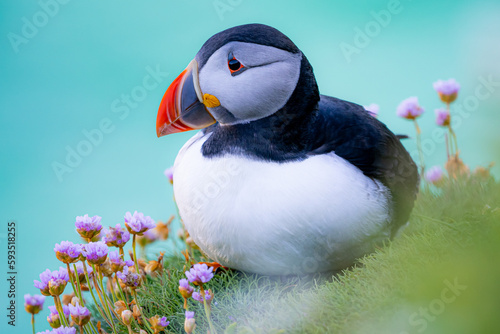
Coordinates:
column 353, row 134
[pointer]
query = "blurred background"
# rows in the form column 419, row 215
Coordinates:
column 82, row 81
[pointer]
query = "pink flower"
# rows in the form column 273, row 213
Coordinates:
column 198, row 296
column 409, row 108
column 117, row 262
column 189, row 322
column 442, row 117
column 447, row 89
column 79, row 314
column 372, row 109
column 185, row 289
column 33, row 304
column 129, row 278
column 434, row 175
column 137, row 223
column 199, row 274
column 116, row 236
column 169, row 173
column 95, row 252
column 88, row 227
column 68, row 252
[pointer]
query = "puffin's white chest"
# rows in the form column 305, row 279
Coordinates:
column 279, row 218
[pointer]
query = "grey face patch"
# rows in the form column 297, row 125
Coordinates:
column 262, row 89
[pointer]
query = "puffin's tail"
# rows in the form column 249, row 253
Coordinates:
column 402, row 137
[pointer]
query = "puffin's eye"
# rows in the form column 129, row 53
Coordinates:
column 235, row 67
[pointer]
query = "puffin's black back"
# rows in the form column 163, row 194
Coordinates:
column 349, row 131
column 309, row 125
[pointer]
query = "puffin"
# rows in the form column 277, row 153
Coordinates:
column 280, row 180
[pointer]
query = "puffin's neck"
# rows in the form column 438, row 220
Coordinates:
column 283, row 136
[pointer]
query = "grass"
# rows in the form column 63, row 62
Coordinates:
column 453, row 240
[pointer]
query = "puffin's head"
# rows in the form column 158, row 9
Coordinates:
column 239, row 75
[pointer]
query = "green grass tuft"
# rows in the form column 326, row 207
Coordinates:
column 453, row 239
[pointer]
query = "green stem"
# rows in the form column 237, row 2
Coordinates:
column 140, row 310
column 449, row 145
column 135, row 256
column 103, row 300
column 419, row 147
column 33, row 322
column 106, row 297
column 207, row 310
column 123, row 295
column 86, row 329
column 70, row 274
column 60, row 310
column 101, row 312
column 452, row 133
column 447, row 142
column 112, row 290
column 92, row 328
column 78, row 286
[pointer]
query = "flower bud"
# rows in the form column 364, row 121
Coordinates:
column 68, row 252
column 129, row 278
column 120, row 306
column 54, row 320
column 447, row 90
column 409, row 108
column 33, row 304
column 189, row 322
column 45, row 291
column 435, row 176
column 443, row 117
column 105, row 268
column 137, row 223
column 185, row 289
column 79, row 314
column 56, row 287
column 95, row 252
column 127, row 317
column 75, row 301
column 88, row 227
column 136, row 312
column 158, row 324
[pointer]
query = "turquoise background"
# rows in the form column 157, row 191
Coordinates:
column 65, row 78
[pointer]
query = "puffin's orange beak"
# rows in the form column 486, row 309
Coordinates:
column 181, row 108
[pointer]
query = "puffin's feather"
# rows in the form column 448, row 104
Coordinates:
column 353, row 134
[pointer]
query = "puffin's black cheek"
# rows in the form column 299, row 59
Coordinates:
column 223, row 116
